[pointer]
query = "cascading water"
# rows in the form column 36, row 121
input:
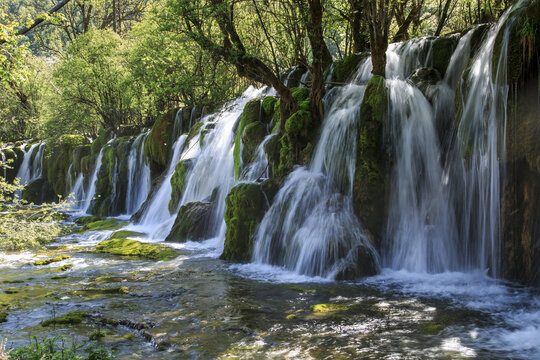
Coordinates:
column 311, row 227
column 85, row 205
column 258, row 168
column 139, row 180
column 157, row 212
column 37, row 163
column 25, row 170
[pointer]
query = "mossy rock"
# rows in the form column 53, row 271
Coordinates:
column 345, row 68
column 79, row 153
column 369, row 188
column 57, row 158
column 192, row 222
column 523, row 56
column 87, row 219
column 64, row 268
column 250, row 114
column 3, row 317
column 254, row 134
column 125, row 234
column 128, row 247
column 38, row 192
column 245, row 208
column 272, row 151
column 107, row 224
column 159, row 141
column 14, row 157
column 194, row 131
column 11, row 290
column 51, row 260
column 72, row 318
column 423, row 78
column 103, row 137
column 178, row 183
column 268, row 105
column 442, row 50
column 293, row 75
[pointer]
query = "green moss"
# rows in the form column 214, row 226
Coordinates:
column 272, row 150
column 99, row 142
column 129, row 247
column 57, row 159
column 178, row 183
column 245, row 207
column 124, row 234
column 191, row 222
column 107, row 224
column 51, row 260
column 3, row 317
column 254, row 134
column 13, row 281
column 64, row 267
column 11, row 290
column 99, row 334
column 343, row 69
column 159, row 141
column 59, row 277
column 430, row 328
column 194, row 131
column 250, row 114
column 322, row 308
column 72, row 318
column 268, row 105
column 291, row 317
column 300, row 94
column 87, row 219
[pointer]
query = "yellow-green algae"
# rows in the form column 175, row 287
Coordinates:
column 51, row 260
column 328, row 307
column 430, row 328
column 128, row 247
column 124, row 234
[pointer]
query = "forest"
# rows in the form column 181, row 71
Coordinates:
column 269, row 179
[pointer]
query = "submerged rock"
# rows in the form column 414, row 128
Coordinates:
column 192, row 222
column 128, row 247
column 72, row 318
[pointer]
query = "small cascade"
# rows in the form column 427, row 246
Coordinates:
column 37, row 164
column 311, row 227
column 4, row 163
column 85, row 205
column 79, row 195
column 212, row 174
column 25, row 170
column 177, row 127
column 139, row 179
column 258, row 168
column 157, row 212
column 421, row 229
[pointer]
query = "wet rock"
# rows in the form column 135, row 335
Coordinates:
column 178, row 183
column 245, row 208
column 424, row 77
column 345, row 68
column 370, row 182
column 192, row 222
column 99, row 225
column 159, row 141
column 51, row 260
column 72, row 318
column 38, row 192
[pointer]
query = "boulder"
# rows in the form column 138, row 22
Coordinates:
column 192, row 223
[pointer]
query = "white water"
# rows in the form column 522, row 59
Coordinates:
column 139, row 180
column 85, row 205
column 36, row 171
column 25, row 170
column 311, row 227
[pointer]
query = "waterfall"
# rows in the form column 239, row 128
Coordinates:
column 311, row 227
column 25, row 170
column 85, row 205
column 139, row 180
column 445, row 211
column 421, row 229
column 157, row 211
column 258, row 168
column 37, row 165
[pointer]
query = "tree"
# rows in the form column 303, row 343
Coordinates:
column 93, row 80
column 379, row 18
